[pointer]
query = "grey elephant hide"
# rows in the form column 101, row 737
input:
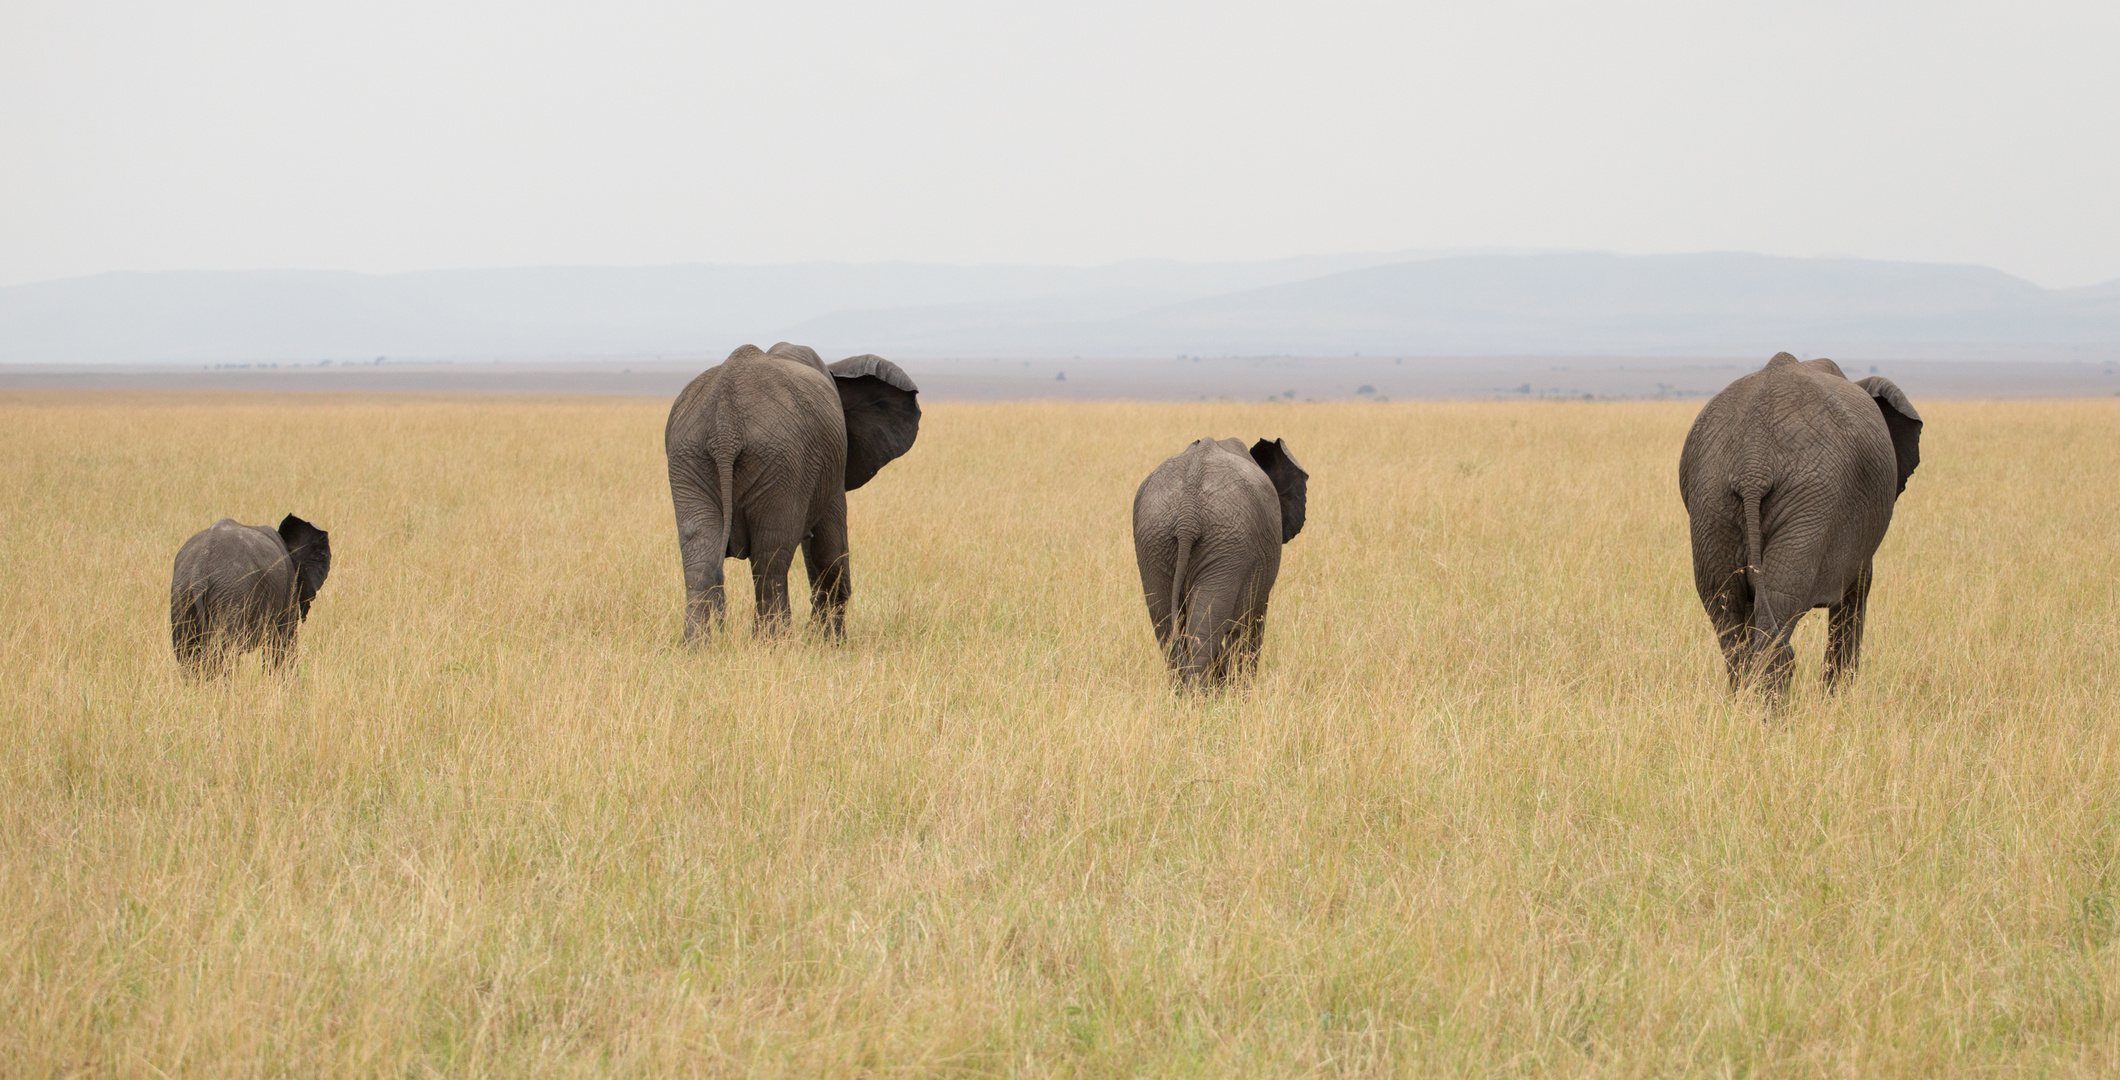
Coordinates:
column 1208, row 529
column 762, row 450
column 240, row 587
column 1790, row 476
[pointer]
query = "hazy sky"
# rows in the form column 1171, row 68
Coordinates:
column 388, row 136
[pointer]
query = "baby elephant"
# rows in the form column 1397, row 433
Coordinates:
column 1208, row 530
column 237, row 587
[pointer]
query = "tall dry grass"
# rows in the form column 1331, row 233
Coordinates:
column 1486, row 811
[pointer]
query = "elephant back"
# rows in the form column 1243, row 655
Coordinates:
column 1214, row 486
column 232, row 567
column 801, row 354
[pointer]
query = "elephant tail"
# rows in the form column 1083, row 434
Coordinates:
column 1183, row 647
column 1180, row 643
column 1750, row 498
column 725, row 470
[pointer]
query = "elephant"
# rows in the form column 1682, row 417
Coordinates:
column 762, row 450
column 1208, row 529
column 1789, row 478
column 238, row 587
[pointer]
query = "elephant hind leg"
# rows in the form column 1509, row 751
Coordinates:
column 1725, row 592
column 1844, row 630
column 1192, row 650
column 212, row 634
column 1729, row 608
column 769, row 584
column 1774, row 662
column 278, row 640
column 1250, row 642
column 706, row 602
column 824, row 556
column 1248, row 637
column 1235, row 656
column 1210, row 641
column 189, row 636
column 699, row 528
column 1771, row 660
column 1782, row 591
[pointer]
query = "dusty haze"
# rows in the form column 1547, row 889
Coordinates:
column 235, row 134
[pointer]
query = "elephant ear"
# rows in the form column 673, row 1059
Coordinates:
column 1290, row 482
column 882, row 408
column 1901, row 420
column 310, row 549
column 801, row 354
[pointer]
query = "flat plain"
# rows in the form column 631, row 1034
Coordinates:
column 2023, row 373
column 1487, row 809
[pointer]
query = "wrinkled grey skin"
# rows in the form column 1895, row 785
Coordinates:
column 1789, row 477
column 1208, row 529
column 240, row 587
column 762, row 451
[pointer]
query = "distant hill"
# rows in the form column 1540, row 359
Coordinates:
column 308, row 315
column 1405, row 303
column 1573, row 304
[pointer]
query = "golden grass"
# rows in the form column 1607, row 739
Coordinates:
column 1486, row 811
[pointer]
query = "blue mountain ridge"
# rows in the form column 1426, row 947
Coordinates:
column 1388, row 303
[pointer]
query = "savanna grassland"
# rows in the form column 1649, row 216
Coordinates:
column 1487, row 810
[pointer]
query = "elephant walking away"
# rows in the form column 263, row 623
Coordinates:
column 238, row 587
column 762, row 450
column 1789, row 477
column 1208, row 529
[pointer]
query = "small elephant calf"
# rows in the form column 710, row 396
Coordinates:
column 238, row 587
column 1208, row 530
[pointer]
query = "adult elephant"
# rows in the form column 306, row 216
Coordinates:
column 763, row 449
column 1789, row 477
column 237, row 587
column 1208, row 529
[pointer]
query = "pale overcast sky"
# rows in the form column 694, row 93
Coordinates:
column 385, row 136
